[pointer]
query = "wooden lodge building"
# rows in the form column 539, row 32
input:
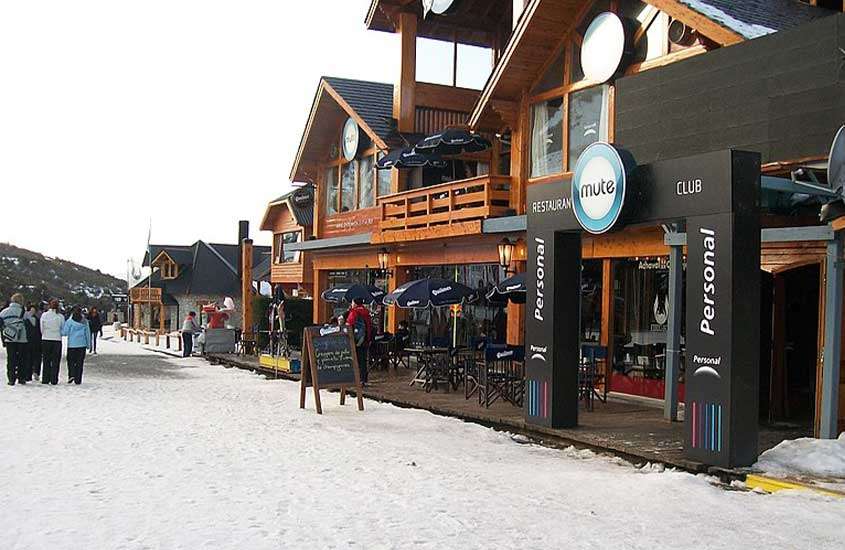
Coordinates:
column 701, row 75
column 184, row 278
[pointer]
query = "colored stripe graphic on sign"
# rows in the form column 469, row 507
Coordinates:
column 537, row 393
column 706, row 419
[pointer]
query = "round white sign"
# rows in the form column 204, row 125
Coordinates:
column 350, row 139
column 438, row 7
column 603, row 47
column 599, row 187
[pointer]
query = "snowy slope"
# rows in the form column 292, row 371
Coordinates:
column 152, row 452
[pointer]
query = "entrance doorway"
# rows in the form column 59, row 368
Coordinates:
column 788, row 377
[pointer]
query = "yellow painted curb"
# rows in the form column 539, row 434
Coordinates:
column 773, row 485
column 279, row 363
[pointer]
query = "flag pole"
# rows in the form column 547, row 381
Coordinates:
column 150, row 276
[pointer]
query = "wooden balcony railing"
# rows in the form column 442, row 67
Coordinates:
column 446, row 204
column 146, row 295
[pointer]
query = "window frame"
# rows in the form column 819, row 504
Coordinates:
column 566, row 48
column 340, row 165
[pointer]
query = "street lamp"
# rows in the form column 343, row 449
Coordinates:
column 506, row 255
column 384, row 262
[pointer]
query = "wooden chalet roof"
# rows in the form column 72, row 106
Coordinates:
column 369, row 103
column 471, row 22
column 204, row 268
column 539, row 33
column 303, row 216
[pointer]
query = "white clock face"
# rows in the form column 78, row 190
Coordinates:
column 603, row 47
column 350, row 139
column 438, row 7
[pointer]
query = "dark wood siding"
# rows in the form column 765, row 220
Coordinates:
column 781, row 95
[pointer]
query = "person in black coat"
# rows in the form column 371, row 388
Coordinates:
column 32, row 317
column 95, row 323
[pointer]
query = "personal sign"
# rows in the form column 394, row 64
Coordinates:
column 329, row 361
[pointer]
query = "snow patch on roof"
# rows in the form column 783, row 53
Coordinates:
column 747, row 30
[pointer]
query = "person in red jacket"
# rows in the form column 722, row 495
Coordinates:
column 362, row 326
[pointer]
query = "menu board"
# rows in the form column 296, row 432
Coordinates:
column 329, row 361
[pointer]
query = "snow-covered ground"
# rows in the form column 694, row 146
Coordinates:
column 154, row 452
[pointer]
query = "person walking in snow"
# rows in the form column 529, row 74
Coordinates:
column 362, row 326
column 52, row 323
column 95, row 323
column 78, row 340
column 189, row 328
column 33, row 345
column 14, row 339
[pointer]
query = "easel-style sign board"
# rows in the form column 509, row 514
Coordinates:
column 329, row 361
column 717, row 196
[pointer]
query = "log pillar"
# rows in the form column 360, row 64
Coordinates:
column 321, row 282
column 247, row 333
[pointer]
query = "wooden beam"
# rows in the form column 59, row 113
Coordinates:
column 404, row 93
column 706, row 26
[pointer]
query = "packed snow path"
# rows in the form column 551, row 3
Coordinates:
column 152, row 452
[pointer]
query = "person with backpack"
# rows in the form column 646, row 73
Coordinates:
column 78, row 340
column 13, row 330
column 362, row 326
column 52, row 323
column 95, row 323
column 33, row 345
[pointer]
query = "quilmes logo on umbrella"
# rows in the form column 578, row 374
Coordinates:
column 439, row 291
column 598, row 187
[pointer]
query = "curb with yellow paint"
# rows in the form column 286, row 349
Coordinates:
column 773, row 485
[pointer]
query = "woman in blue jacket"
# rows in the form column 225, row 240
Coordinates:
column 78, row 339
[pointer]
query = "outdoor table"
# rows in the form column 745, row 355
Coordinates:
column 432, row 363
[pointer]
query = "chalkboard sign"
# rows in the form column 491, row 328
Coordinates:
column 329, row 361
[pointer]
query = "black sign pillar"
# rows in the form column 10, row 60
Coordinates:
column 553, row 310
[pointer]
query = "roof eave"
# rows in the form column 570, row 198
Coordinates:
column 327, row 88
column 712, row 29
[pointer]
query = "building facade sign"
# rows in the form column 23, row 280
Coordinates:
column 723, row 295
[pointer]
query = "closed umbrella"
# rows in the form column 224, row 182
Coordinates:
column 345, row 293
column 453, row 142
column 511, row 289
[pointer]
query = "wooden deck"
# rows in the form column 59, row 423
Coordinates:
column 636, row 432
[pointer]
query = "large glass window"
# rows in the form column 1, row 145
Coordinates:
column 366, row 176
column 290, row 256
column 347, row 186
column 436, row 63
column 641, row 298
column 331, row 191
column 587, row 120
column 474, row 66
column 547, row 138
column 384, row 180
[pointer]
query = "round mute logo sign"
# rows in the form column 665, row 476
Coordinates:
column 598, row 187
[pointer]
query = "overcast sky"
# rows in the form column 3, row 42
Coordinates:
column 188, row 112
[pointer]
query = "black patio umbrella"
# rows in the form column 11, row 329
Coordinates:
column 345, row 293
column 428, row 293
column 453, row 142
column 511, row 289
column 407, row 157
